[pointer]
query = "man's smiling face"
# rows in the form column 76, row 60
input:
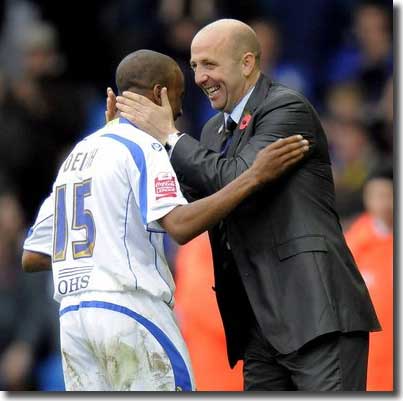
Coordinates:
column 218, row 69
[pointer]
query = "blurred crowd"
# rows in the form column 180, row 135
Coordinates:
column 56, row 61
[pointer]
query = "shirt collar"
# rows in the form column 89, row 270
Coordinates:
column 120, row 120
column 238, row 109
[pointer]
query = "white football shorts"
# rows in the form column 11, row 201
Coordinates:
column 122, row 342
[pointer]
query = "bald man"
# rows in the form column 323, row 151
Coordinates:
column 115, row 196
column 294, row 306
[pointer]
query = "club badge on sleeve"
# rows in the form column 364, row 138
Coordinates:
column 156, row 146
column 165, row 186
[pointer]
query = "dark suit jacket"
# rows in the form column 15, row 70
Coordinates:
column 287, row 243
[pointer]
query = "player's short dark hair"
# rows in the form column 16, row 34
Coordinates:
column 143, row 69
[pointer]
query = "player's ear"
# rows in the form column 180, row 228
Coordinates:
column 157, row 94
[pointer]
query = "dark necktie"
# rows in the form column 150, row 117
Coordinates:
column 228, row 132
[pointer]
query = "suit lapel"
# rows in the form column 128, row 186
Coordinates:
column 262, row 87
column 218, row 129
column 258, row 95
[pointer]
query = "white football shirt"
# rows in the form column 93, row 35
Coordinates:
column 103, row 233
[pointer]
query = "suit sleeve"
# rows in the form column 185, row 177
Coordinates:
column 205, row 171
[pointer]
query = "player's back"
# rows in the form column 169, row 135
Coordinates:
column 105, row 235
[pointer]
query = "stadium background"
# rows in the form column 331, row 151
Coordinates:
column 56, row 60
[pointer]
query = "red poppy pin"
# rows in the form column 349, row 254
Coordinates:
column 245, row 121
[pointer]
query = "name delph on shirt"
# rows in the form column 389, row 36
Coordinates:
column 79, row 161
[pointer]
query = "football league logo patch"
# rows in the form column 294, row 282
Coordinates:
column 156, row 146
column 165, row 186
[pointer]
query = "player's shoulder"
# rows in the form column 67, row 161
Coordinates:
column 126, row 130
column 133, row 143
column 135, row 138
